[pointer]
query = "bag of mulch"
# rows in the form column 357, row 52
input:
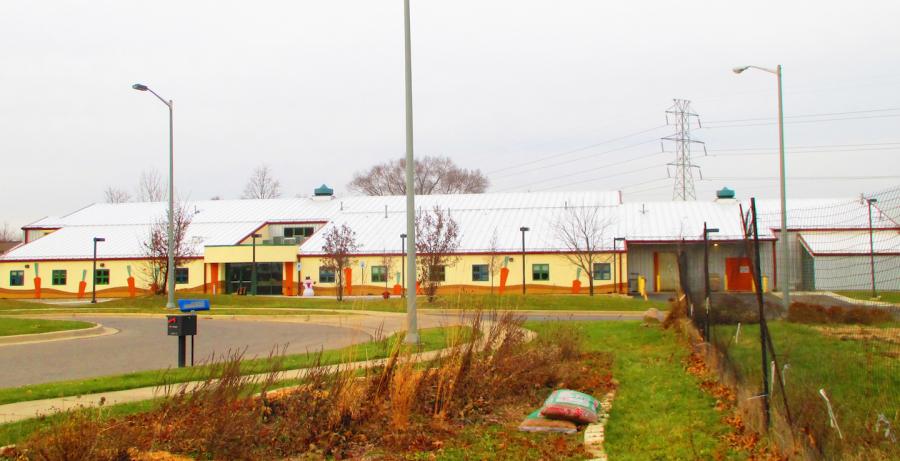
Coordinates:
column 537, row 423
column 573, row 406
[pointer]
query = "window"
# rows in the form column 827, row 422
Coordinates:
column 101, row 277
column 326, row 274
column 540, row 272
column 601, row 271
column 16, row 278
column 480, row 273
column 438, row 274
column 379, row 274
column 290, row 232
column 58, row 277
column 181, row 275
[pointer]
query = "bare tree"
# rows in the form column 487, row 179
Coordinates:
column 387, row 261
column 150, row 187
column 262, row 184
column 582, row 230
column 113, row 195
column 7, row 234
column 493, row 259
column 433, row 175
column 339, row 247
column 437, row 240
column 156, row 248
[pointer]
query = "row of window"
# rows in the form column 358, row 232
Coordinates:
column 101, row 277
column 480, row 273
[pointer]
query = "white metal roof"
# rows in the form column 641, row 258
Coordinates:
column 851, row 243
column 847, row 213
column 379, row 221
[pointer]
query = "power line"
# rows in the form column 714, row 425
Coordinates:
column 820, row 114
column 798, row 178
column 573, row 151
column 729, row 149
column 804, row 152
column 601, row 167
column 600, row 177
column 576, row 159
column 795, row 122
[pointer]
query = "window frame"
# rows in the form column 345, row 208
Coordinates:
column 306, row 231
column 382, row 273
column 187, row 275
column 438, row 271
column 20, row 277
column 608, row 271
column 542, row 276
column 55, row 277
column 484, row 271
column 323, row 270
column 97, row 277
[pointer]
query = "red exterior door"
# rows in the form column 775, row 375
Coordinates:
column 740, row 278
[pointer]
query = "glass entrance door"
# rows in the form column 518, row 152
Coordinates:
column 269, row 278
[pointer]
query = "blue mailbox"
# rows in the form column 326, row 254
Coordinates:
column 193, row 305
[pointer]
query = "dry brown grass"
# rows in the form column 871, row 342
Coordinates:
column 399, row 406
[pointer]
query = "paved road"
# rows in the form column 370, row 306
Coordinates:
column 142, row 344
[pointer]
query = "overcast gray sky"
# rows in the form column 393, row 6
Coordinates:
column 314, row 89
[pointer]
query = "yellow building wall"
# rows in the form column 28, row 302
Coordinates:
column 458, row 277
column 244, row 253
column 118, row 278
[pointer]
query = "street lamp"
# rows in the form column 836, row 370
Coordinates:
column 872, row 246
column 170, row 248
column 785, row 249
column 524, row 230
column 402, row 267
column 615, row 255
column 706, row 232
column 412, row 331
column 253, row 275
column 94, row 284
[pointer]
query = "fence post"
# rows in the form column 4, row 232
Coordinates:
column 763, row 330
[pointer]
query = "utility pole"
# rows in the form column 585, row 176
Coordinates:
column 872, row 247
column 681, row 116
column 412, row 331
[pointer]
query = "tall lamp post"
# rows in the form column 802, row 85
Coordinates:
column 253, row 274
column 706, row 232
column 872, row 246
column 94, row 283
column 785, row 249
column 170, row 302
column 402, row 267
column 412, row 331
column 523, row 229
column 616, row 280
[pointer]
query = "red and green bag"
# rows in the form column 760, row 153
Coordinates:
column 569, row 405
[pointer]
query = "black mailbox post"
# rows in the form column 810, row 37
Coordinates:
column 182, row 326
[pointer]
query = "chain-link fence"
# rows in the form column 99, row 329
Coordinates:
column 822, row 375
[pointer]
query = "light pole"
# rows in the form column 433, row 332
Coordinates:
column 706, row 232
column 402, row 267
column 524, row 230
column 253, row 275
column 94, row 284
column 412, row 331
column 785, row 249
column 616, row 280
column 170, row 302
column 872, row 246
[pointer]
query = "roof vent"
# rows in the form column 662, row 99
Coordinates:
column 725, row 193
column 323, row 191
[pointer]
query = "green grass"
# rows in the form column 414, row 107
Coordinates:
column 267, row 305
column 861, row 378
column 12, row 433
column 659, row 411
column 884, row 296
column 431, row 339
column 19, row 326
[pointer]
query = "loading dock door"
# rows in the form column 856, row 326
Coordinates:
column 667, row 271
column 740, row 277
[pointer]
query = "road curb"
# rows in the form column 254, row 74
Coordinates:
column 91, row 332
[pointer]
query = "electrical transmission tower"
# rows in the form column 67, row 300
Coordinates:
column 682, row 118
